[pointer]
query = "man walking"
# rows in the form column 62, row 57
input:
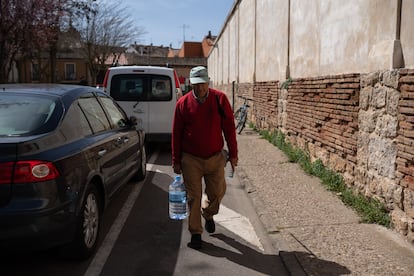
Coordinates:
column 201, row 118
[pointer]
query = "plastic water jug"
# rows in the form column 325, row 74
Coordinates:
column 177, row 199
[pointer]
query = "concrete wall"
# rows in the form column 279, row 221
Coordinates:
column 407, row 34
column 333, row 37
column 253, row 43
column 271, row 50
column 261, row 39
column 246, row 13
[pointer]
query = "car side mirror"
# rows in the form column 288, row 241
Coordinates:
column 133, row 120
column 137, row 122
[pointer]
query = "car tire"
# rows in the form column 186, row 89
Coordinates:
column 87, row 226
column 142, row 171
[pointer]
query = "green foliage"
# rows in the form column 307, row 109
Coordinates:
column 371, row 210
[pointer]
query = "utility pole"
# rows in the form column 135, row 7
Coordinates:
column 184, row 26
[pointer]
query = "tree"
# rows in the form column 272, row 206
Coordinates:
column 68, row 10
column 28, row 27
column 106, row 30
column 24, row 25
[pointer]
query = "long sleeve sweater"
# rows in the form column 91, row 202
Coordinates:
column 198, row 128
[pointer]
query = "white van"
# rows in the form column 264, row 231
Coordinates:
column 147, row 92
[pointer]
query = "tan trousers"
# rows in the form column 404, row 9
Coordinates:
column 194, row 169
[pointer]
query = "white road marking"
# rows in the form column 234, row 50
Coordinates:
column 98, row 262
column 237, row 224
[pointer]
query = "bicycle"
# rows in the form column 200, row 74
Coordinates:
column 241, row 115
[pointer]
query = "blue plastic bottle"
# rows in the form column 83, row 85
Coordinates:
column 177, row 199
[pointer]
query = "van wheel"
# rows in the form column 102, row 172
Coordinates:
column 87, row 226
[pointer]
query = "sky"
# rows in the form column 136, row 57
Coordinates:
column 171, row 21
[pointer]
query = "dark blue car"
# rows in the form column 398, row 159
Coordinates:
column 64, row 151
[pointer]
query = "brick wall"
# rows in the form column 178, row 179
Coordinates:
column 322, row 118
column 403, row 211
column 265, row 105
column 240, row 89
column 263, row 110
column 405, row 154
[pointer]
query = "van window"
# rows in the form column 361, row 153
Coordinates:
column 141, row 87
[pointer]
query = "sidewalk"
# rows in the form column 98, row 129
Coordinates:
column 314, row 231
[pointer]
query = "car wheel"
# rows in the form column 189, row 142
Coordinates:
column 142, row 171
column 88, row 226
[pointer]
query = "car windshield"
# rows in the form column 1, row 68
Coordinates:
column 22, row 114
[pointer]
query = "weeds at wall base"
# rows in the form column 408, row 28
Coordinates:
column 370, row 210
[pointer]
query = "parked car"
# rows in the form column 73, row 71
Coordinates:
column 100, row 86
column 65, row 151
column 148, row 92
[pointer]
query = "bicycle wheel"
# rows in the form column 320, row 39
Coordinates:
column 237, row 117
column 237, row 114
column 242, row 122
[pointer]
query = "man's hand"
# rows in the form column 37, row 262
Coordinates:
column 177, row 168
column 233, row 163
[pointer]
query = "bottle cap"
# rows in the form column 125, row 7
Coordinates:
column 178, row 178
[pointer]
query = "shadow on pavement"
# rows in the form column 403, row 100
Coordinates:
column 149, row 242
column 297, row 263
column 311, row 264
column 246, row 256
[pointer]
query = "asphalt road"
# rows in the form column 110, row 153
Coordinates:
column 138, row 238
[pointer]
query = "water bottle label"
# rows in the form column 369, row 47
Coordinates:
column 177, row 197
column 178, row 204
column 178, row 208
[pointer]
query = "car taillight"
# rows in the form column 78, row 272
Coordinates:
column 177, row 80
column 27, row 171
column 105, row 82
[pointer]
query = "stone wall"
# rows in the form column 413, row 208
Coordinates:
column 385, row 144
column 360, row 125
column 377, row 145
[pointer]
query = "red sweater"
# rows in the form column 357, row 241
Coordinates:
column 198, row 128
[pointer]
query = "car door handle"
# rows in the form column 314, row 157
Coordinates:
column 126, row 140
column 118, row 140
column 102, row 152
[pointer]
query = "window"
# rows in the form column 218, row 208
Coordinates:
column 161, row 89
column 35, row 72
column 117, row 118
column 141, row 87
column 70, row 71
column 75, row 126
column 21, row 115
column 94, row 113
